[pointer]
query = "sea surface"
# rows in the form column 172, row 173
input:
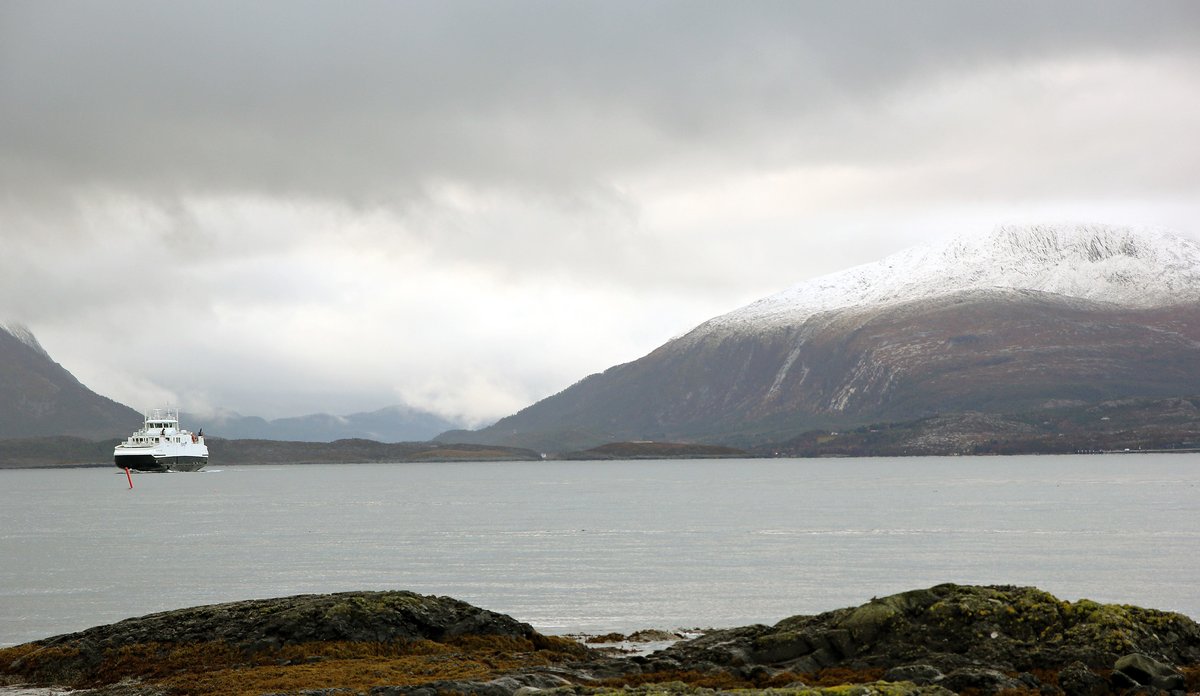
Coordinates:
column 598, row 546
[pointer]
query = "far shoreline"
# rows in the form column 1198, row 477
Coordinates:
column 576, row 457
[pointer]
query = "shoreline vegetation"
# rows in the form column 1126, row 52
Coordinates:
column 1163, row 425
column 66, row 453
column 54, row 453
column 947, row 639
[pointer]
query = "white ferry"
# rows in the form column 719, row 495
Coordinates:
column 161, row 445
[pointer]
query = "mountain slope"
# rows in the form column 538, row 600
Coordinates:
column 38, row 397
column 1022, row 318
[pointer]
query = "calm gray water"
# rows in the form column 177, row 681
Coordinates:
column 598, row 546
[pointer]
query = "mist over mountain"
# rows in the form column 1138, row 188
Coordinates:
column 38, row 397
column 1022, row 318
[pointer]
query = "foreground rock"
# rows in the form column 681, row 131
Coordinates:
column 933, row 642
column 978, row 639
column 338, row 640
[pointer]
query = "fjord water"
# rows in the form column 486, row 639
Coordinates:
column 598, row 546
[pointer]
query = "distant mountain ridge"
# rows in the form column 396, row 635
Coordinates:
column 38, row 397
column 1022, row 318
column 390, row 424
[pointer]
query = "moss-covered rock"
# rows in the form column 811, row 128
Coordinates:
column 930, row 642
column 282, row 632
column 1004, row 629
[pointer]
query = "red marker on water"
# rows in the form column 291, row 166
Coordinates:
column 129, row 477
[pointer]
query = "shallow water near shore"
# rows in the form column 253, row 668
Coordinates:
column 575, row 547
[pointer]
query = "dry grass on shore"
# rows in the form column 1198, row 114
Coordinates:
column 218, row 668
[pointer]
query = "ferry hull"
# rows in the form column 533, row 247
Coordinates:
column 148, row 462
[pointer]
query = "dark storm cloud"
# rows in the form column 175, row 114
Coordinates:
column 375, row 100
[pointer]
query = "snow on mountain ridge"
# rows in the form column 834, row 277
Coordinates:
column 1134, row 267
column 24, row 335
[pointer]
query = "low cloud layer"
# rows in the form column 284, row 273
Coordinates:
column 293, row 207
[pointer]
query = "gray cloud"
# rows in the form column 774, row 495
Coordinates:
column 596, row 175
column 378, row 99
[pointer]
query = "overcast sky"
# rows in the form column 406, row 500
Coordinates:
column 282, row 208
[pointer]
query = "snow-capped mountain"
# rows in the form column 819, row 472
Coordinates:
column 1018, row 319
column 1120, row 265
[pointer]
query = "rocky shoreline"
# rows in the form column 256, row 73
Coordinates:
column 931, row 642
